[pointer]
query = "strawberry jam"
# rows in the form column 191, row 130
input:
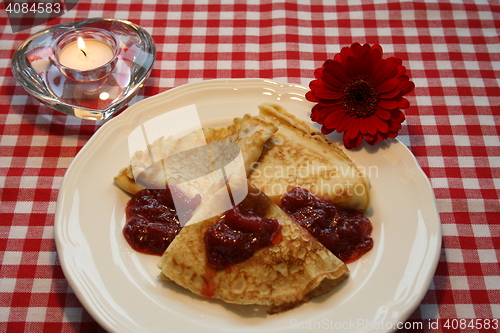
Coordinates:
column 152, row 221
column 346, row 233
column 241, row 232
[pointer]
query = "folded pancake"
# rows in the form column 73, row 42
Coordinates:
column 290, row 270
column 178, row 160
column 298, row 156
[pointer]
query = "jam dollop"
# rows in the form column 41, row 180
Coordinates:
column 152, row 220
column 238, row 234
column 346, row 233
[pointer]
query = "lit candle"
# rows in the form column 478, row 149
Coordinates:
column 86, row 54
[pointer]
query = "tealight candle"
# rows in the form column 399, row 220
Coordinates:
column 86, row 55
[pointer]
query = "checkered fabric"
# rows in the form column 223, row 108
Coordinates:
column 451, row 49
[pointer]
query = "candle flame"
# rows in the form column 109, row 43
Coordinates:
column 81, row 45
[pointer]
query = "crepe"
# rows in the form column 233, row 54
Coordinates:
column 298, row 156
column 195, row 157
column 279, row 277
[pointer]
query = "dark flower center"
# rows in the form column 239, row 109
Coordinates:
column 360, row 98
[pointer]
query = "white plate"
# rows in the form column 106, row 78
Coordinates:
column 120, row 289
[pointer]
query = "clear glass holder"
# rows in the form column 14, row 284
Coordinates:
column 94, row 94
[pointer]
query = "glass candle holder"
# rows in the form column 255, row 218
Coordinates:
column 93, row 80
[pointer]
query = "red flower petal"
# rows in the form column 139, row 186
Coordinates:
column 401, row 71
column 397, row 117
column 394, row 61
column 384, row 73
column 327, row 94
column 365, row 64
column 388, row 104
column 336, row 74
column 388, row 85
column 370, row 126
column 352, row 129
column 344, row 53
column 403, row 104
column 333, row 107
column 352, row 143
column 380, row 124
column 326, row 131
column 352, row 66
column 369, row 137
column 362, row 122
column 381, row 136
column 318, row 73
column 316, row 114
column 377, row 51
column 332, row 119
column 384, row 114
column 310, row 96
column 406, row 86
column 315, row 84
column 343, row 123
column 373, row 141
column 391, row 94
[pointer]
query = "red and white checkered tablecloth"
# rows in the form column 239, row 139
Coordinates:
column 451, row 49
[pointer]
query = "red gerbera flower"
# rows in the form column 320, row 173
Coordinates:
column 360, row 94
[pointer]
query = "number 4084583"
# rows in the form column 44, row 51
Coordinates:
column 476, row 323
column 33, row 8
